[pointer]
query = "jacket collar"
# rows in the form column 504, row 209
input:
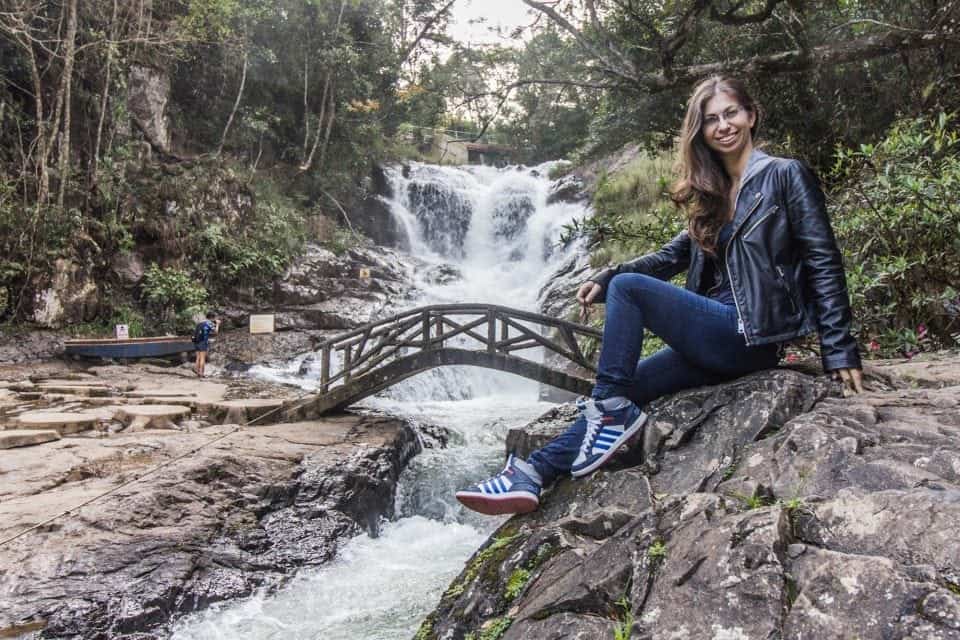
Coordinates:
column 757, row 161
column 747, row 198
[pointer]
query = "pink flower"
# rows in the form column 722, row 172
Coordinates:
column 792, row 357
column 921, row 331
column 874, row 345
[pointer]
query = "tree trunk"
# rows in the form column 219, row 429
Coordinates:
column 236, row 103
column 69, row 50
column 326, row 135
column 104, row 97
column 308, row 160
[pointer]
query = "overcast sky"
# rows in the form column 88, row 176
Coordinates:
column 506, row 14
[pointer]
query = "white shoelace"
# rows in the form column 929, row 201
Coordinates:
column 587, row 445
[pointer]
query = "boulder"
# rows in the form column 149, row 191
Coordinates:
column 569, row 188
column 72, row 296
column 129, row 268
column 230, row 519
column 148, row 91
column 768, row 507
column 324, row 290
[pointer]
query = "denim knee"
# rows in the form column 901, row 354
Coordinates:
column 626, row 282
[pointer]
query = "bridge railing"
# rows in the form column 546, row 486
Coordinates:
column 494, row 328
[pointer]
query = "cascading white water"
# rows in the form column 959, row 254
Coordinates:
column 496, row 228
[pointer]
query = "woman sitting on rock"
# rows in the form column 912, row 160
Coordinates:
column 762, row 268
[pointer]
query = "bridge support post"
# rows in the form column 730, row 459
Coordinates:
column 325, row 368
column 425, row 328
column 491, row 331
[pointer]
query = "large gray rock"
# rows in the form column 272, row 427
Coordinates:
column 323, row 290
column 764, row 508
column 238, row 516
column 72, row 296
column 148, row 92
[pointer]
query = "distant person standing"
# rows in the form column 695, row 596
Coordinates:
column 201, row 340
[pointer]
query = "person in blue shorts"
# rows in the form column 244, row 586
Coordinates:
column 762, row 268
column 201, row 340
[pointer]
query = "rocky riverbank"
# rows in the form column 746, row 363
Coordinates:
column 173, row 520
column 769, row 507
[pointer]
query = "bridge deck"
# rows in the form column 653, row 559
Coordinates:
column 383, row 353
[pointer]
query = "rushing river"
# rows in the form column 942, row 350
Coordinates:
column 495, row 226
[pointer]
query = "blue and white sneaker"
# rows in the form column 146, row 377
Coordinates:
column 610, row 423
column 516, row 489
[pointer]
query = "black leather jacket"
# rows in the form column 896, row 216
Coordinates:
column 784, row 267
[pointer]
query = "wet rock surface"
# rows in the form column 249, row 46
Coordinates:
column 769, row 507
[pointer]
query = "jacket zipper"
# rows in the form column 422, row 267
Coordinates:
column 757, row 223
column 726, row 260
column 783, row 281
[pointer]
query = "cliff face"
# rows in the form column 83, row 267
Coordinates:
column 765, row 508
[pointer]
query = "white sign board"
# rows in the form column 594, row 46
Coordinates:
column 262, row 323
column 122, row 331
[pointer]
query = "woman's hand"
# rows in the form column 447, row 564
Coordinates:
column 852, row 379
column 588, row 292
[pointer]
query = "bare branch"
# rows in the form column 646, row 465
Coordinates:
column 730, row 16
column 425, row 30
column 621, row 67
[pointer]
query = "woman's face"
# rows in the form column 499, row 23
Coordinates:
column 726, row 125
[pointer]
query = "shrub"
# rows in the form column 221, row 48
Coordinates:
column 174, row 294
column 897, row 218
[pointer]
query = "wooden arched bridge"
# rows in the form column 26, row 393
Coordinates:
column 361, row 362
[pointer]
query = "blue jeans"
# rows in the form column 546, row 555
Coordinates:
column 704, row 348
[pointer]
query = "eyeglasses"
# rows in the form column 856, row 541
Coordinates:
column 712, row 121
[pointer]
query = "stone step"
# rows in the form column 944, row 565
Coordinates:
column 74, row 389
column 72, row 377
column 26, row 437
column 243, row 411
column 62, row 421
column 138, row 417
column 158, row 393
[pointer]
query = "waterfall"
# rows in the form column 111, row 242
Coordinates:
column 495, row 228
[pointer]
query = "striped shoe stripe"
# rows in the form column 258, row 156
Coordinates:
column 609, row 437
column 601, row 446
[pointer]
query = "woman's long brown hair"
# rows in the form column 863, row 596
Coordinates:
column 703, row 187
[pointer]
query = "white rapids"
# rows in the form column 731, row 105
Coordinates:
column 496, row 228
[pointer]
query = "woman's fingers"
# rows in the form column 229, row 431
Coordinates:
column 857, row 376
column 588, row 292
column 852, row 379
column 594, row 292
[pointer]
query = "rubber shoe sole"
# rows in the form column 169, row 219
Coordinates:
column 498, row 505
column 606, row 455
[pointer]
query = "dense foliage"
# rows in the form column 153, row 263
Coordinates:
column 172, row 128
column 897, row 216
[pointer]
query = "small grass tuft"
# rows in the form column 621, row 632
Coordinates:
column 517, row 581
column 492, row 629
column 657, row 551
column 624, row 625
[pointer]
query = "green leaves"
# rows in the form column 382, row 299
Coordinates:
column 897, row 216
